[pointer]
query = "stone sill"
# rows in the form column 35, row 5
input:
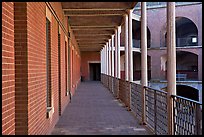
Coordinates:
column 50, row 111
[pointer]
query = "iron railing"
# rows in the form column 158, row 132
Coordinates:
column 116, row 87
column 136, row 100
column 187, row 114
column 156, row 110
column 124, row 92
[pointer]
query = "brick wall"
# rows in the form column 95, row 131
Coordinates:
column 8, row 69
column 24, row 79
column 36, row 68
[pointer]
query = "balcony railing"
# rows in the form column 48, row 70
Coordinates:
column 156, row 110
column 187, row 116
column 186, row 113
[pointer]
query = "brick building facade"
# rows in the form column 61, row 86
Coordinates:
column 24, row 72
column 42, row 64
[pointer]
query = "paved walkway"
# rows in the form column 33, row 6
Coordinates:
column 94, row 111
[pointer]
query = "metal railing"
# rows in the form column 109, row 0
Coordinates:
column 187, row 114
column 136, row 100
column 116, row 88
column 156, row 110
column 124, row 92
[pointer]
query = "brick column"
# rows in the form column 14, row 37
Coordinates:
column 21, row 68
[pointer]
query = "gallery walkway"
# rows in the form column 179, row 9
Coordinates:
column 94, row 111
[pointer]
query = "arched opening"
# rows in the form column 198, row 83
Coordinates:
column 137, row 66
column 187, row 63
column 186, row 33
column 187, row 92
column 186, row 66
column 136, row 27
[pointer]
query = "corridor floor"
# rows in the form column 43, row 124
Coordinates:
column 94, row 111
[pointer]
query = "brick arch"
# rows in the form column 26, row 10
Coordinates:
column 196, row 52
column 187, row 85
column 188, row 17
column 165, row 87
column 164, row 29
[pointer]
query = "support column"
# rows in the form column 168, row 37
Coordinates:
column 102, row 60
column 143, row 57
column 126, row 47
column 105, row 54
column 118, row 51
column 107, row 59
column 112, row 55
column 171, row 62
column 109, row 55
column 130, row 58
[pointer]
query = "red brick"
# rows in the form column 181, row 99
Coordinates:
column 8, row 79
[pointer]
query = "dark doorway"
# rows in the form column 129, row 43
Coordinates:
column 95, row 70
column 187, row 92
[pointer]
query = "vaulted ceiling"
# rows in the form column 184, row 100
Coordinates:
column 93, row 23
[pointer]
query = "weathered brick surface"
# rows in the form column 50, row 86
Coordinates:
column 8, row 69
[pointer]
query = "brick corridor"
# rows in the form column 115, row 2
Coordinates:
column 94, row 111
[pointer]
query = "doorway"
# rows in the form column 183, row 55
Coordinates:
column 94, row 71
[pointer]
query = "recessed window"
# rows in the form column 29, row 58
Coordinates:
column 48, row 64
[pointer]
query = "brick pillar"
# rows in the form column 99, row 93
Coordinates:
column 21, row 68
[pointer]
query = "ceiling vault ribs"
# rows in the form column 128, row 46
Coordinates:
column 93, row 23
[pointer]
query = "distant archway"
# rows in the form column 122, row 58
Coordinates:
column 186, row 33
column 137, row 35
column 187, row 92
column 137, row 66
column 187, row 63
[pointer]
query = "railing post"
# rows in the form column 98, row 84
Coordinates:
column 198, row 119
column 155, row 112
